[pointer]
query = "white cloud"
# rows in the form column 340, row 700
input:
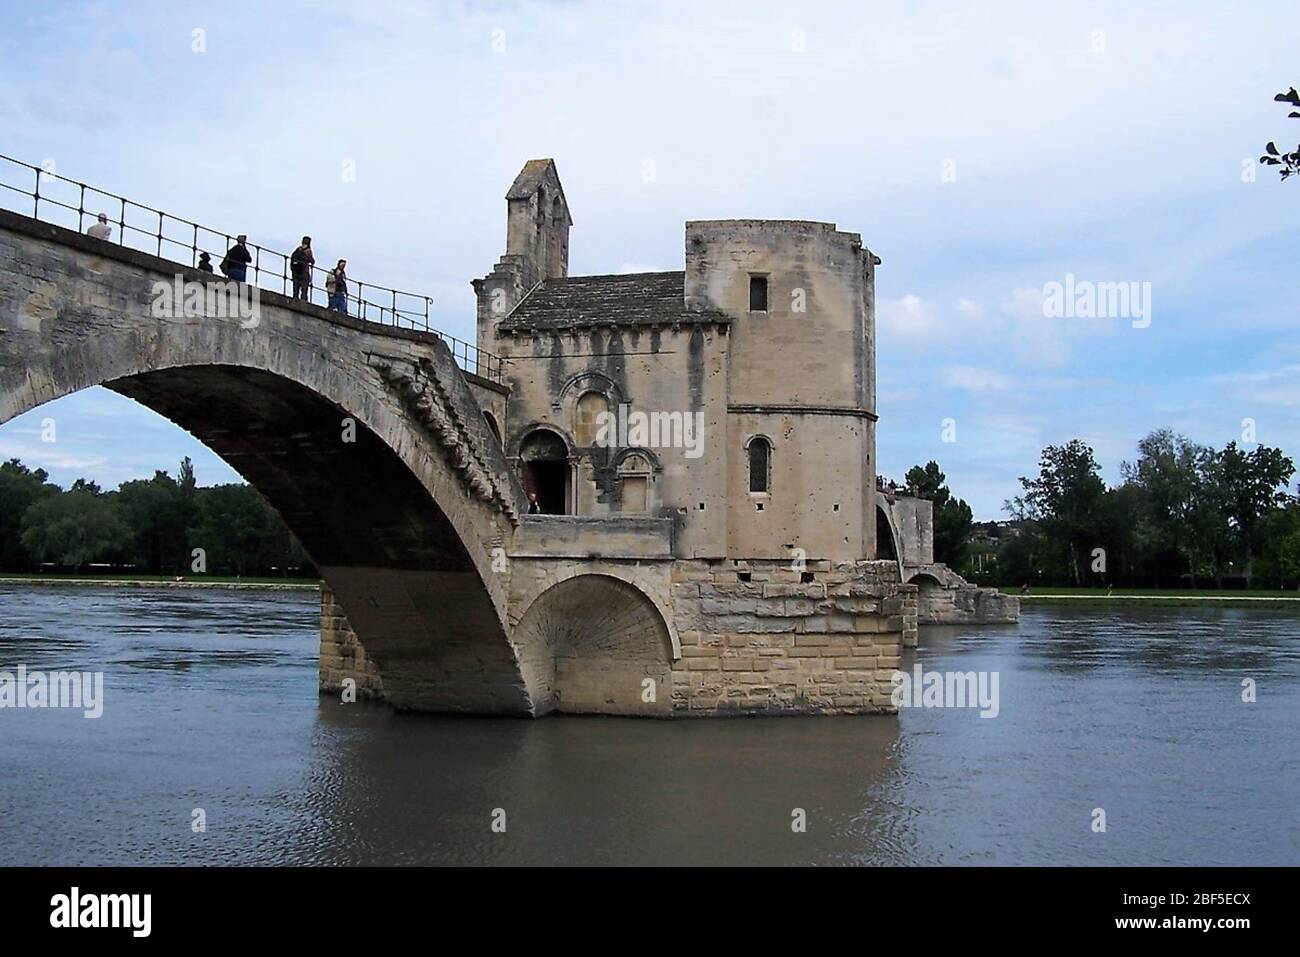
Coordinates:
column 909, row 318
column 972, row 379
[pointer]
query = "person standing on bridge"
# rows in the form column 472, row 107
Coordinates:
column 100, row 229
column 336, row 284
column 235, row 264
column 300, row 265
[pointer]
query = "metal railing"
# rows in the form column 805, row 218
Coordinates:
column 54, row 197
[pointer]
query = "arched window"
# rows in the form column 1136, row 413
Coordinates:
column 760, row 464
column 588, row 419
column 492, row 426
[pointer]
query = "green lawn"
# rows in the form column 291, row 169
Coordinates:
column 1155, row 592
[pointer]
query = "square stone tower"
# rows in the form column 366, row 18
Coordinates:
column 800, row 382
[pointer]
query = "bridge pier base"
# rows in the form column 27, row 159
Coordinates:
column 341, row 655
column 756, row 637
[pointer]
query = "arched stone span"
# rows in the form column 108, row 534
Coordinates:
column 401, row 520
column 934, row 574
column 597, row 644
column 887, row 540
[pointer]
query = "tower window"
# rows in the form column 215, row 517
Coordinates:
column 760, row 455
column 758, row 294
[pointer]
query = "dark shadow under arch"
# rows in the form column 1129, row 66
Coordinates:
column 317, row 465
column 389, row 553
column 886, row 542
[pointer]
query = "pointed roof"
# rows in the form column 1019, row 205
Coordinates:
column 532, row 177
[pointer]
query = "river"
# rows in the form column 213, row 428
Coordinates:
column 210, row 703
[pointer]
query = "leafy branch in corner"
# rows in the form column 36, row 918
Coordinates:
column 1290, row 162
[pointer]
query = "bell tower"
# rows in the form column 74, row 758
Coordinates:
column 537, row 244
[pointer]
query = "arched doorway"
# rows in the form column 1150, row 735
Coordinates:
column 545, row 472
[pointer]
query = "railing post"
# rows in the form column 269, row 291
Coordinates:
column 81, row 209
column 160, row 233
column 121, row 224
column 36, row 196
column 395, row 322
column 257, row 266
column 194, row 247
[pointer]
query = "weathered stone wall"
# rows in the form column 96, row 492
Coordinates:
column 491, row 396
column 341, row 654
column 815, row 499
column 576, row 536
column 913, row 522
column 965, row 604
column 693, row 638
column 799, row 374
column 757, row 637
column 654, row 370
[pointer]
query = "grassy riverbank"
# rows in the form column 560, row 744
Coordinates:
column 158, row 581
column 1161, row 596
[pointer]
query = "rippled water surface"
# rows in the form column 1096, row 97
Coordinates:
column 211, row 702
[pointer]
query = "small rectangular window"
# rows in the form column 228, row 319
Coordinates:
column 758, row 294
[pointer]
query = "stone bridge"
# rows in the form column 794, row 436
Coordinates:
column 943, row 596
column 372, row 444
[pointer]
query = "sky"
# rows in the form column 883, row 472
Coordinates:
column 983, row 152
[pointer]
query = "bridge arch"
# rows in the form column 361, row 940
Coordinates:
column 887, row 538
column 596, row 643
column 366, row 439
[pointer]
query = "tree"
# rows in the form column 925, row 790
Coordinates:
column 160, row 512
column 20, row 488
column 242, row 534
column 1117, row 526
column 76, row 527
column 1251, row 486
column 1064, row 501
column 1279, row 557
column 1290, row 162
column 1021, row 556
column 952, row 516
column 1178, row 521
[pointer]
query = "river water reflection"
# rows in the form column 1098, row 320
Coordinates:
column 211, row 702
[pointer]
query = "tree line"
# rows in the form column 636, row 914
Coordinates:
column 157, row 526
column 1184, row 515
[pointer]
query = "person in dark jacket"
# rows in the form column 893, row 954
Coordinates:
column 235, row 265
column 336, row 284
column 205, row 262
column 300, row 265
